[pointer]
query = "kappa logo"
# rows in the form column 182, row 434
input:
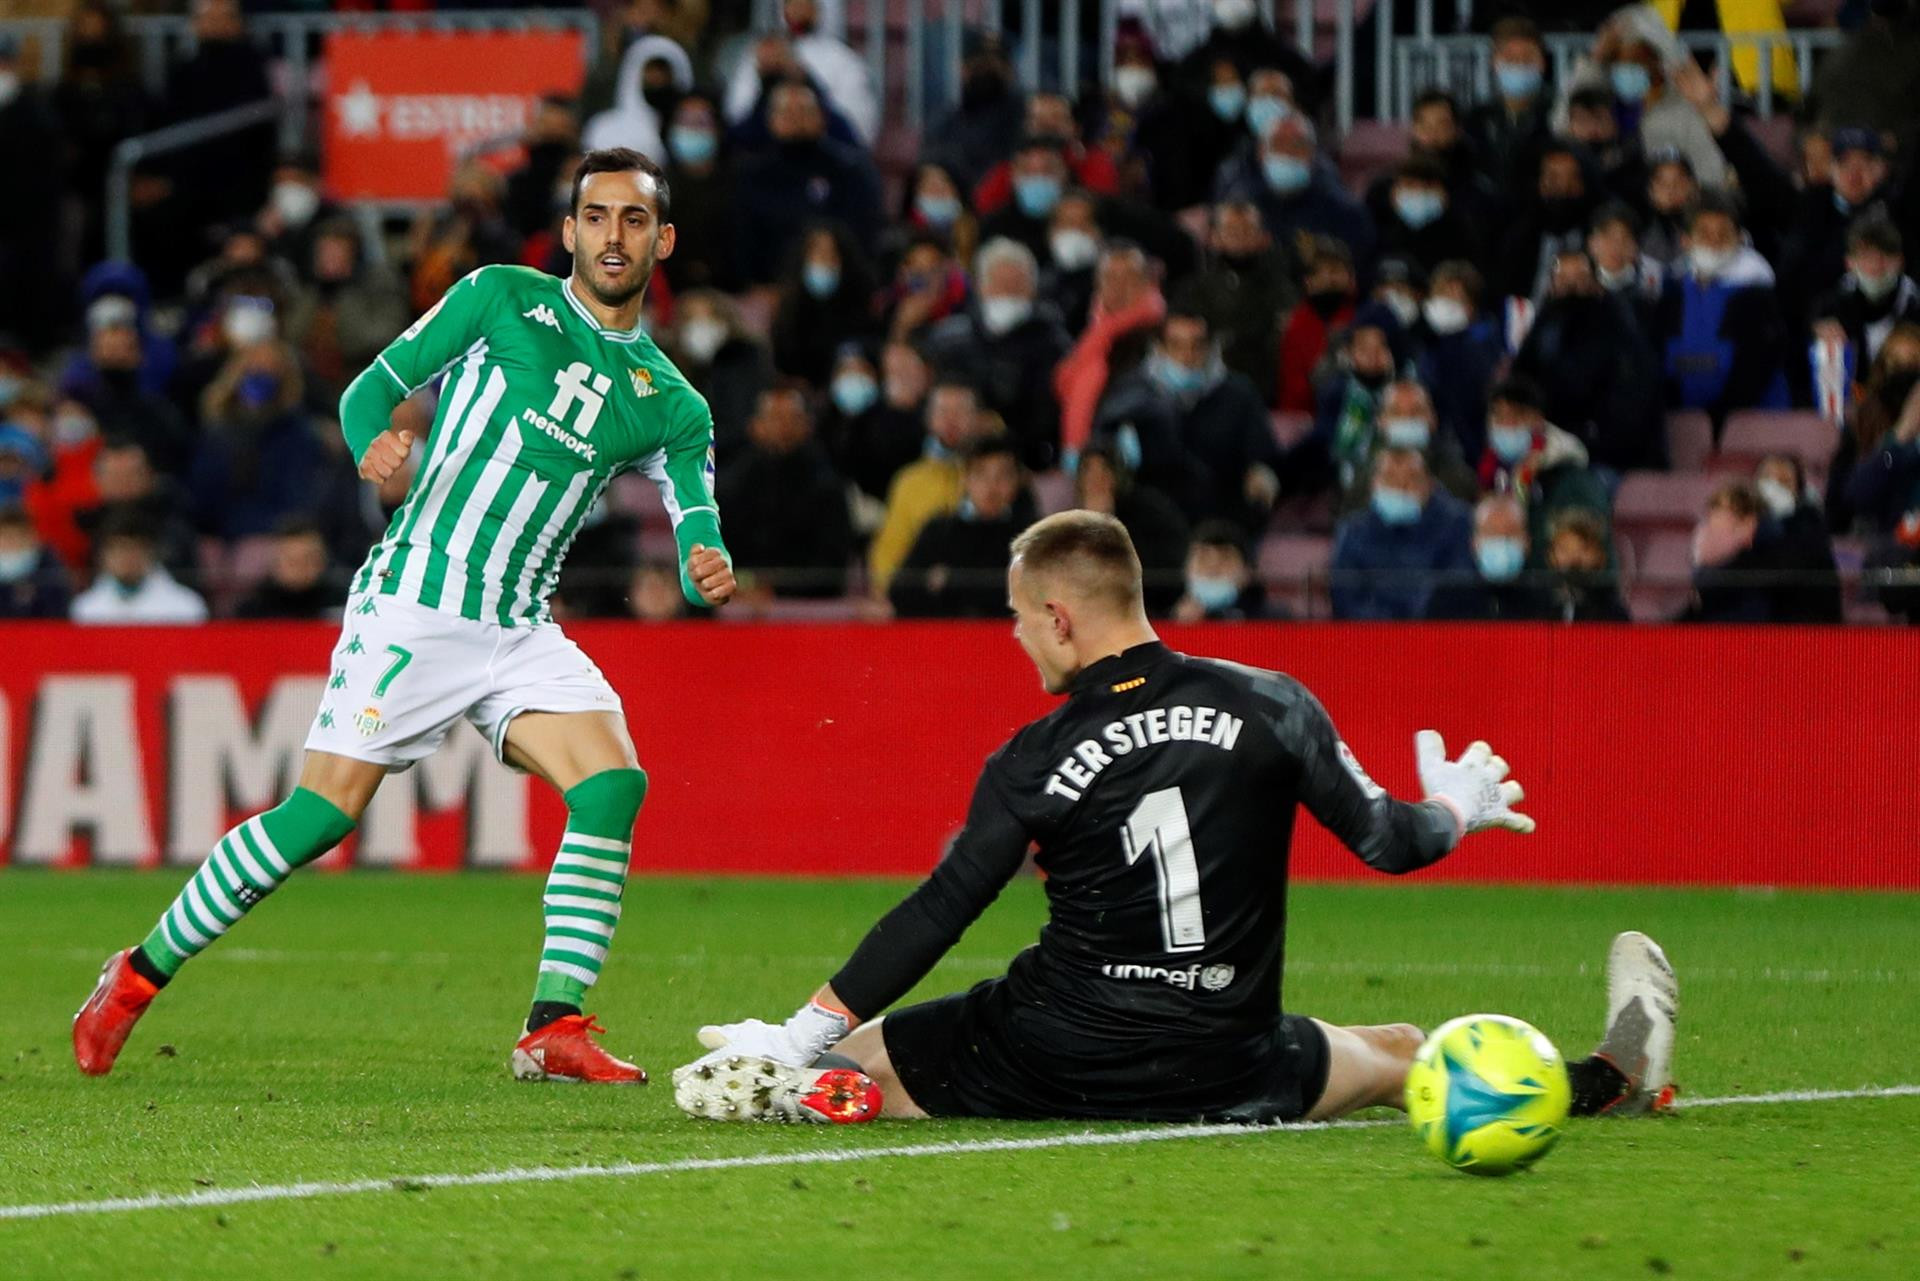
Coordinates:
column 643, row 383
column 541, row 315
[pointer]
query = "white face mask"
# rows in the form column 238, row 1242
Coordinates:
column 1133, row 83
column 295, row 202
column 9, row 86
column 1612, row 280
column 1405, row 308
column 1002, row 315
column 1233, row 14
column 248, row 321
column 1445, row 315
column 1074, row 250
column 1709, row 263
column 703, row 338
column 16, row 565
column 1778, row 498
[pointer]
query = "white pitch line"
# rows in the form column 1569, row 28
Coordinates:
column 829, row 1156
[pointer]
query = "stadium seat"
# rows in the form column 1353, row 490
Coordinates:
column 1371, row 148
column 1689, row 439
column 1751, row 434
column 1052, row 491
column 1650, row 501
column 1665, row 578
column 1294, row 568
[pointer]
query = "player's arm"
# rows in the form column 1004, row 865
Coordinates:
column 685, row 479
column 409, row 362
column 1395, row 836
column 906, row 944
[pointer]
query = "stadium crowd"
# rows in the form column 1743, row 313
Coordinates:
column 1533, row 349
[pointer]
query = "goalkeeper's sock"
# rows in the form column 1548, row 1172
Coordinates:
column 249, row 863
column 582, row 900
column 1597, row 1085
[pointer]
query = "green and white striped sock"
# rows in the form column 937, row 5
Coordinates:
column 582, row 900
column 248, row 864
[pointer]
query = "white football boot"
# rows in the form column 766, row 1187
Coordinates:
column 745, row 1088
column 1643, row 999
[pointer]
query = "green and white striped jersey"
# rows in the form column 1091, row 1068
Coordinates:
column 540, row 409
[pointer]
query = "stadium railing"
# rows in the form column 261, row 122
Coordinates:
column 188, row 133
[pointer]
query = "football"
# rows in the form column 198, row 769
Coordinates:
column 1488, row 1094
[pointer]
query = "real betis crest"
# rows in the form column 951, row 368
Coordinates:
column 643, row 383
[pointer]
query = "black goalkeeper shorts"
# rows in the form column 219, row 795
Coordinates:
column 976, row 1053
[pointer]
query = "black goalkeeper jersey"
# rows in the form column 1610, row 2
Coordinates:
column 1159, row 798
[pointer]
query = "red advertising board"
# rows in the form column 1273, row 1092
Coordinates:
column 1650, row 755
column 400, row 106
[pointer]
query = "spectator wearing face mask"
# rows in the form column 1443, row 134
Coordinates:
column 1637, row 60
column 116, row 295
column 700, row 175
column 1388, row 558
column 1221, row 587
column 33, row 582
column 1720, row 321
column 1039, row 178
column 1552, row 218
column 804, row 178
column 957, row 566
column 1881, row 400
column 1348, row 408
column 1074, row 242
column 261, row 460
column 654, row 72
column 1542, row 465
column 1240, row 37
column 1594, row 123
column 1007, row 344
column 126, row 487
column 875, row 423
column 1813, row 595
column 1049, row 116
column 826, row 300
column 1741, row 563
column 1189, row 426
column 1671, row 191
column 934, row 206
column 1585, row 589
column 1813, row 216
column 930, row 485
column 117, row 391
column 1884, row 488
column 1461, row 353
column 1417, row 217
column 1874, row 296
column 724, row 362
column 1102, row 482
column 1297, row 192
column 1400, row 286
column 1502, row 588
column 1513, row 120
column 928, row 286
column 131, row 588
column 1613, row 243
column 789, row 509
column 1327, row 308
column 1596, row 368
column 1245, row 289
column 1127, row 308
column 1406, row 421
column 298, row 207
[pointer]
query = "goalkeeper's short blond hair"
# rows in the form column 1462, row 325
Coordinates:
column 1086, row 554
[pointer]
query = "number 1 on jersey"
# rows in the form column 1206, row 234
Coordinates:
column 1158, row 827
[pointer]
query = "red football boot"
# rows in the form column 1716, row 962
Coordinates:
column 103, row 1024
column 564, row 1050
column 754, row 1089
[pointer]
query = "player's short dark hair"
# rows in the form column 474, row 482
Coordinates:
column 624, row 160
column 1874, row 230
column 1089, row 551
column 1517, row 389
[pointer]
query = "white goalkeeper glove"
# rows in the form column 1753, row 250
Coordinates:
column 811, row 1032
column 1471, row 787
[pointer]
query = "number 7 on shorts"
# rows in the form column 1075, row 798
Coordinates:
column 401, row 657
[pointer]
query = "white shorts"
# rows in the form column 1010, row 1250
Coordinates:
column 403, row 675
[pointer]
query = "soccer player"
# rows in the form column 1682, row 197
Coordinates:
column 1160, row 797
column 552, row 388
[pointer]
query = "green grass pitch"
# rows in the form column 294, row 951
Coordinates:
column 357, row 1027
